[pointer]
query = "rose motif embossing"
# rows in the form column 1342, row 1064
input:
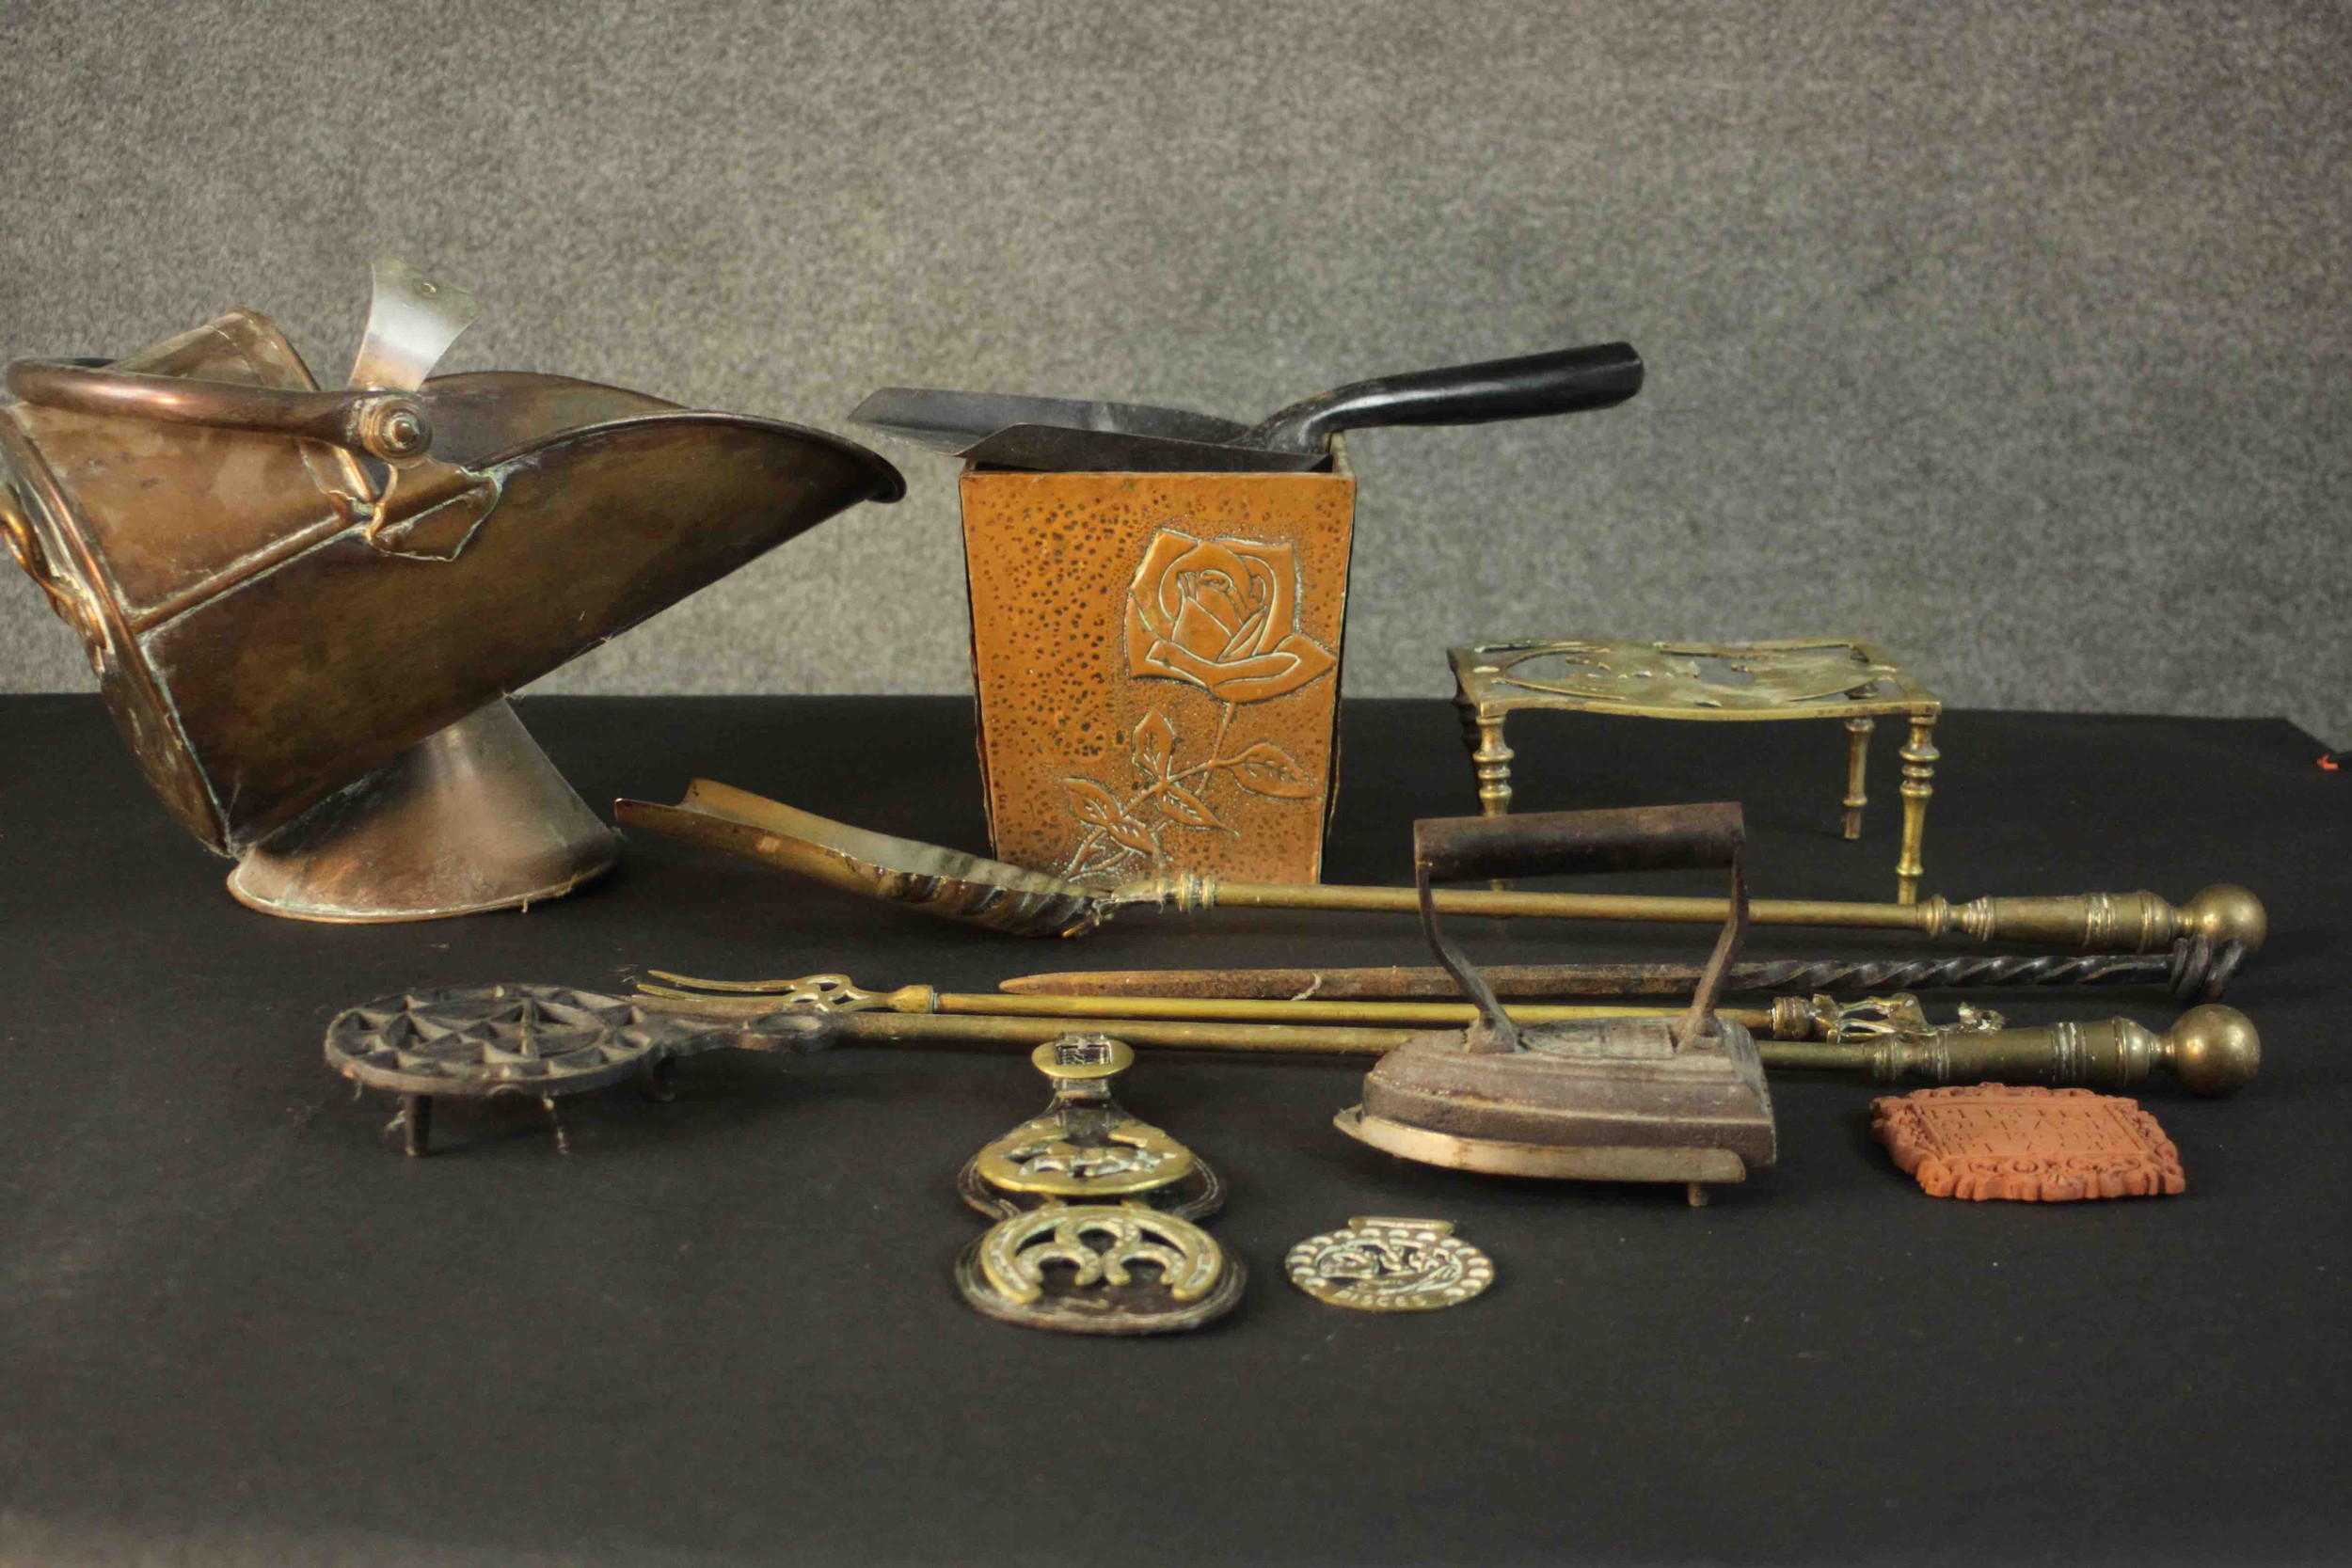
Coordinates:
column 1220, row 614
column 1223, row 615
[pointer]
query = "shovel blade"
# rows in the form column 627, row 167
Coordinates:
column 1050, row 449
column 953, row 421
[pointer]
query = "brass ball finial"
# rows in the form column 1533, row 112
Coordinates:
column 2214, row 1049
column 2227, row 913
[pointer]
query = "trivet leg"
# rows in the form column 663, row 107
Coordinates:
column 1696, row 1193
column 1492, row 760
column 1919, row 758
column 1857, row 771
column 661, row 1079
column 416, row 1124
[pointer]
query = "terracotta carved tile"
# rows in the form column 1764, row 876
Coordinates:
column 2028, row 1145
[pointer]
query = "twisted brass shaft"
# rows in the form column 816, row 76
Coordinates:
column 2190, row 981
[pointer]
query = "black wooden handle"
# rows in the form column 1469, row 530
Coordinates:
column 1566, row 381
column 1552, row 843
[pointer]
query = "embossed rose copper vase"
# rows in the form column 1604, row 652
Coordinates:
column 1157, row 661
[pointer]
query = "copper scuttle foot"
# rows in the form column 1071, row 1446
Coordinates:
column 473, row 817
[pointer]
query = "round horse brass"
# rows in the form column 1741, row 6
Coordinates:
column 1054, row 1156
column 1391, row 1265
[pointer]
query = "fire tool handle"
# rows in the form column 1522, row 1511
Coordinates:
column 1578, row 843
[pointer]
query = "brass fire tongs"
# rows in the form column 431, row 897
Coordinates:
column 1807, row 1032
column 2219, row 926
column 543, row 1042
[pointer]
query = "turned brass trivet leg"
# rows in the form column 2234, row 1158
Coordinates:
column 1492, row 759
column 1857, row 769
column 1919, row 756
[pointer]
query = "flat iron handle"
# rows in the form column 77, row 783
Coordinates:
column 393, row 427
column 1577, row 843
column 1546, row 843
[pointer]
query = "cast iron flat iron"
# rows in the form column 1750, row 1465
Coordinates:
column 1603, row 1100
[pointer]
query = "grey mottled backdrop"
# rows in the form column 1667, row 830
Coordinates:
column 2012, row 335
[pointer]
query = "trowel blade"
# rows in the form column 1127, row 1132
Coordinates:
column 952, row 422
column 1052, row 449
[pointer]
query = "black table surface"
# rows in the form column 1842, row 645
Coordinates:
column 235, row 1325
